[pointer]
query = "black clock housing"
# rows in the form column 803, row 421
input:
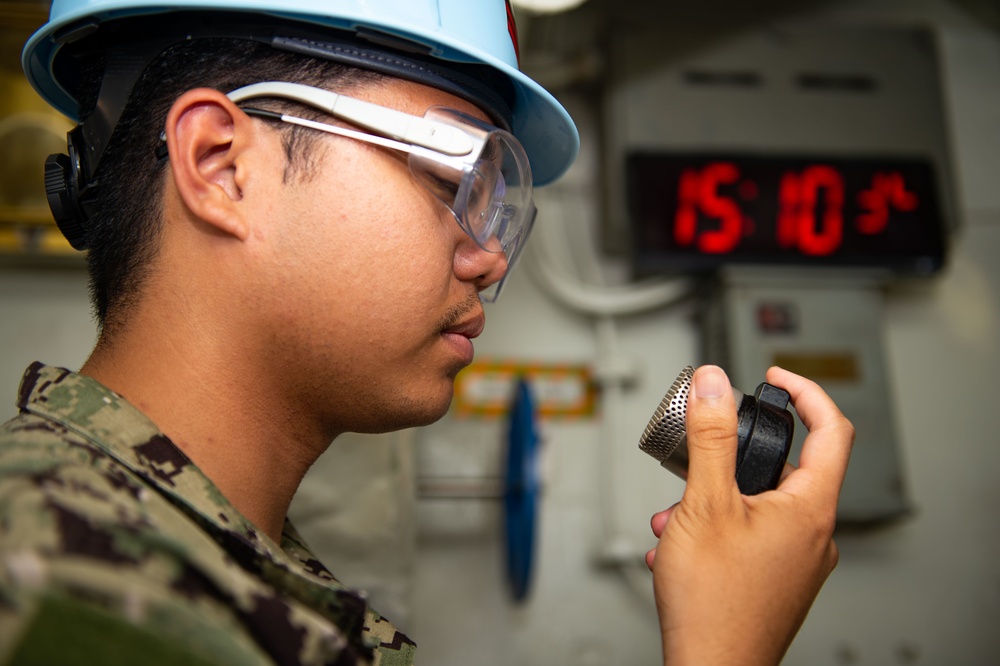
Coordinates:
column 696, row 212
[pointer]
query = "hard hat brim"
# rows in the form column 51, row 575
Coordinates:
column 538, row 120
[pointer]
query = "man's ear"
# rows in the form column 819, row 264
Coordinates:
column 208, row 136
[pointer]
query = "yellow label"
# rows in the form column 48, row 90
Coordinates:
column 828, row 366
column 486, row 388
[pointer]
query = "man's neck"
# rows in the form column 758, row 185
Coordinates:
column 233, row 425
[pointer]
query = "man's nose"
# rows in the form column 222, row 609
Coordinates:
column 484, row 267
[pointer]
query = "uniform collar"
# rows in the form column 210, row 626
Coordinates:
column 109, row 422
column 106, row 419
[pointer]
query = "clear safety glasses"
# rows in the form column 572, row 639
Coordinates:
column 480, row 172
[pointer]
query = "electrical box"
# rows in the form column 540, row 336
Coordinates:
column 829, row 330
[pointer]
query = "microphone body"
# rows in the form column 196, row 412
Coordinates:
column 764, row 433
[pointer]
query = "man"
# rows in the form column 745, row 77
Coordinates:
column 293, row 211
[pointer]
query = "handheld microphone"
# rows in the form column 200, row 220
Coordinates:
column 764, row 432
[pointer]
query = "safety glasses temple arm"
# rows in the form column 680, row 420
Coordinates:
column 387, row 122
column 330, row 129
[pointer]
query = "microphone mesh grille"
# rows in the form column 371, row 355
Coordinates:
column 666, row 428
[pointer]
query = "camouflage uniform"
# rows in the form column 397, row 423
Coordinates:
column 116, row 549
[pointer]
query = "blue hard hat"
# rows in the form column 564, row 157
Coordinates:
column 450, row 34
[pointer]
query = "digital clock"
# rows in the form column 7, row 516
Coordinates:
column 696, row 212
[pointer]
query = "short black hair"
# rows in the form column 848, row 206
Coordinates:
column 124, row 228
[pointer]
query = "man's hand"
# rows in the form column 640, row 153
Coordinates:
column 734, row 576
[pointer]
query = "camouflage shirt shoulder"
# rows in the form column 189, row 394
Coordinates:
column 108, row 530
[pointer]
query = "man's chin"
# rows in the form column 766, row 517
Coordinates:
column 407, row 414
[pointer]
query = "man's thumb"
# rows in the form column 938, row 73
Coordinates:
column 711, row 431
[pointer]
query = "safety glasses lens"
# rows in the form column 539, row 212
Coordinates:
column 490, row 192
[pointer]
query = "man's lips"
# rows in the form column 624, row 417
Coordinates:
column 469, row 328
column 460, row 336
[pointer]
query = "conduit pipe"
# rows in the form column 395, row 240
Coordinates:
column 590, row 296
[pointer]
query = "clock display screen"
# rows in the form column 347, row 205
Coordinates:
column 696, row 212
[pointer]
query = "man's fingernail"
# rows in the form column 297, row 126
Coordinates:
column 710, row 382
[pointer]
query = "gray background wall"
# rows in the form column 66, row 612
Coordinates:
column 925, row 590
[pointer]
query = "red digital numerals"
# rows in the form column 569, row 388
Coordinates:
column 699, row 193
column 887, row 191
column 810, row 211
column 810, row 216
